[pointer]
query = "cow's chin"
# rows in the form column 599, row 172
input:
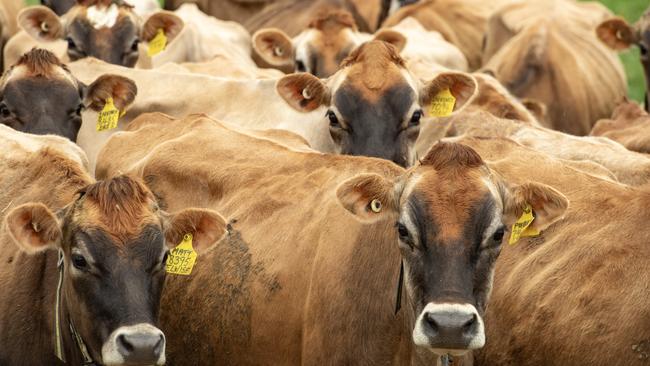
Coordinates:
column 450, row 352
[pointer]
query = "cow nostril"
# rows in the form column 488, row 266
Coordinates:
column 160, row 345
column 468, row 327
column 431, row 322
column 124, row 345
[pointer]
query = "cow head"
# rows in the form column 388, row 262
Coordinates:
column 39, row 95
column 114, row 241
column 452, row 216
column 320, row 49
column 374, row 104
column 618, row 34
column 105, row 29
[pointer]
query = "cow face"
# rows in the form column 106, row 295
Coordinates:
column 374, row 105
column 60, row 7
column 453, row 214
column 114, row 242
column 105, row 29
column 321, row 48
column 39, row 95
column 619, row 35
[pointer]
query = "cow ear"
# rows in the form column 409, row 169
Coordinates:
column 369, row 197
column 274, row 47
column 41, row 23
column 393, row 37
column 547, row 203
column 617, row 34
column 121, row 89
column 206, row 226
column 462, row 86
column 170, row 23
column 33, row 227
column 304, row 92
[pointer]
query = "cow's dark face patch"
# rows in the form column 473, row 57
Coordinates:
column 383, row 127
column 60, row 7
column 117, row 44
column 42, row 105
column 112, row 285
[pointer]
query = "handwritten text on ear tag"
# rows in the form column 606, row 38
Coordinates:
column 181, row 259
column 443, row 104
column 108, row 117
column 157, row 44
column 522, row 227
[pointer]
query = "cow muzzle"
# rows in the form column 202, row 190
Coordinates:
column 135, row 345
column 449, row 328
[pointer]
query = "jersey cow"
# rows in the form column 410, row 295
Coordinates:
column 372, row 106
column 629, row 126
column 109, row 30
column 40, row 95
column 577, row 292
column 619, row 35
column 333, row 35
column 83, row 262
column 548, row 51
column 310, row 253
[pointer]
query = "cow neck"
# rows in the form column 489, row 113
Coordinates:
column 64, row 330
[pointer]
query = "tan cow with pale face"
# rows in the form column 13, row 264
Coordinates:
column 296, row 266
column 105, row 29
column 83, row 259
column 371, row 107
column 333, row 35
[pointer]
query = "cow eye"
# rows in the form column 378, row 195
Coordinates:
column 4, row 111
column 334, row 121
column 79, row 262
column 498, row 235
column 403, row 232
column 134, row 45
column 415, row 119
column 71, row 44
column 300, row 66
column 80, row 109
column 644, row 49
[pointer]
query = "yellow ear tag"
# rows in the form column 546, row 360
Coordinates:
column 108, row 117
column 157, row 44
column 522, row 227
column 443, row 104
column 181, row 259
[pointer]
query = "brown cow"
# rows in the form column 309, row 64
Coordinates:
column 296, row 288
column 40, row 95
column 619, row 35
column 577, row 294
column 236, row 10
column 629, row 126
column 105, row 29
column 83, row 262
column 549, row 52
column 461, row 22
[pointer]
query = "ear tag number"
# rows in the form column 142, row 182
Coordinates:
column 181, row 259
column 443, row 104
column 522, row 227
column 157, row 44
column 108, row 117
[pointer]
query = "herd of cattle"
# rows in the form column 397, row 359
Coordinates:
column 322, row 182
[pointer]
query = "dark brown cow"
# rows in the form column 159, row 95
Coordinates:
column 60, row 7
column 619, row 35
column 40, row 95
column 82, row 257
column 105, row 29
column 311, row 277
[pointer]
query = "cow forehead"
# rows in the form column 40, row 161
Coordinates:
column 101, row 16
column 453, row 198
column 53, row 72
column 373, row 81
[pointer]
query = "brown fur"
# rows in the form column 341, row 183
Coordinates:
column 445, row 155
column 104, row 3
column 374, row 59
column 123, row 204
column 40, row 63
column 330, row 20
column 629, row 126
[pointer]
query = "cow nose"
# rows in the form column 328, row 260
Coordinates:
column 135, row 345
column 140, row 347
column 449, row 326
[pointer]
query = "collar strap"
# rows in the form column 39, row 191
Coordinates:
column 58, row 341
column 400, row 283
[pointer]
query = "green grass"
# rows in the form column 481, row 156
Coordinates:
column 631, row 10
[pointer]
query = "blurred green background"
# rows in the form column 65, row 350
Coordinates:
column 631, row 10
